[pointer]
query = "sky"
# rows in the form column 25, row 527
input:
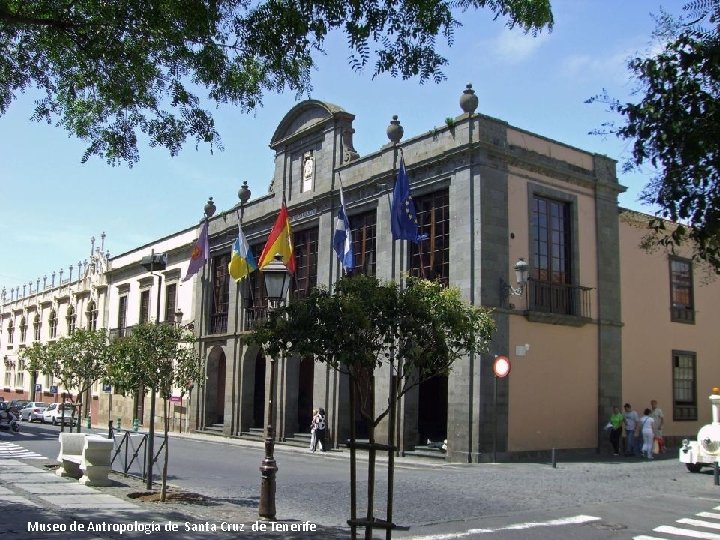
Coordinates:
column 51, row 204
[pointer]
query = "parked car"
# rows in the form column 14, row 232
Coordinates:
column 16, row 405
column 52, row 414
column 33, row 411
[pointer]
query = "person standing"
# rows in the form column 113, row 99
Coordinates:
column 319, row 422
column 659, row 418
column 616, row 424
column 647, row 430
column 313, row 431
column 631, row 431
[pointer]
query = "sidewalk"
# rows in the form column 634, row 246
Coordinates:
column 38, row 504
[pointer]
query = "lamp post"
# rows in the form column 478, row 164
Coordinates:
column 151, row 263
column 277, row 282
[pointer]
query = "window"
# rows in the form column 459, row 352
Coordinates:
column 363, row 246
column 70, row 318
column 551, row 240
column 122, row 315
column 8, row 379
column 36, row 327
column 170, row 301
column 220, row 294
column 684, row 385
column 10, row 332
column 305, row 244
column 53, row 324
column 19, row 379
column 430, row 259
column 23, row 330
column 144, row 306
column 552, row 287
column 681, row 291
column 92, row 315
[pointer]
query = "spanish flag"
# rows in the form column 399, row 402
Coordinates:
column 279, row 243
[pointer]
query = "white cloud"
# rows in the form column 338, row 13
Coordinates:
column 514, row 46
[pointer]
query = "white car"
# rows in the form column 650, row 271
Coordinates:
column 33, row 411
column 52, row 414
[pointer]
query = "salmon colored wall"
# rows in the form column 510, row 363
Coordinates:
column 649, row 336
column 553, row 388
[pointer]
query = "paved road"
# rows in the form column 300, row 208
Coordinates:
column 599, row 500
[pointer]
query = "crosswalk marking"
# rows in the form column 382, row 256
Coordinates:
column 687, row 532
column 575, row 520
column 15, row 451
column 699, row 523
column 692, row 527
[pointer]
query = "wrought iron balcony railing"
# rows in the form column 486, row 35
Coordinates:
column 559, row 299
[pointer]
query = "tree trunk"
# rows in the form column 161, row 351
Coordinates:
column 163, row 489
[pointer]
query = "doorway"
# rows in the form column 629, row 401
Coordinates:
column 305, row 407
column 220, row 396
column 433, row 409
column 259, row 392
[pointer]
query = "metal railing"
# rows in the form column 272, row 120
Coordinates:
column 130, row 445
column 559, row 298
column 218, row 323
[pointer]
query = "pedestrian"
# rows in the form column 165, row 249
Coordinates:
column 647, row 429
column 313, row 431
column 632, row 447
column 319, row 422
column 659, row 418
column 615, row 427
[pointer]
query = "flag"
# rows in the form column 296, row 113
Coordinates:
column 279, row 243
column 342, row 238
column 242, row 261
column 403, row 220
column 199, row 253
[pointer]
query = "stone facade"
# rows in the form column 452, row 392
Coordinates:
column 487, row 194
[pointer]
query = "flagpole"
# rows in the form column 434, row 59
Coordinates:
column 209, row 211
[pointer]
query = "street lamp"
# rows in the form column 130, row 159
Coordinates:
column 152, row 262
column 277, row 283
column 521, row 276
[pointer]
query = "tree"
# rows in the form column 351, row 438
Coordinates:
column 37, row 358
column 114, row 71
column 675, row 127
column 78, row 361
column 159, row 357
column 417, row 332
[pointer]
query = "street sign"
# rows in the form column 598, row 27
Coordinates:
column 107, row 388
column 175, row 399
column 501, row 366
column 53, row 389
column 38, row 387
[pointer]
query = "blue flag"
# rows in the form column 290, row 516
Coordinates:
column 342, row 238
column 403, row 220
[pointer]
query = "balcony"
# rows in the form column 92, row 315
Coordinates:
column 558, row 303
column 254, row 315
column 218, row 323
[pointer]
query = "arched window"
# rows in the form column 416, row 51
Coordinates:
column 53, row 324
column 10, row 332
column 70, row 318
column 36, row 327
column 91, row 315
column 23, row 330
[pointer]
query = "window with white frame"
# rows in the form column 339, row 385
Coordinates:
column 36, row 327
column 10, row 332
column 23, row 330
column 92, row 315
column 8, row 379
column 53, row 324
column 71, row 317
column 20, row 379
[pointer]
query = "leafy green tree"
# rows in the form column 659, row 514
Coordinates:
column 418, row 332
column 78, row 361
column 115, row 71
column 675, row 128
column 157, row 357
column 37, row 359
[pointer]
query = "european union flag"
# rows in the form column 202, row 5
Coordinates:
column 403, row 220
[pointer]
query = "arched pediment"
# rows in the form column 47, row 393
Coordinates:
column 303, row 116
